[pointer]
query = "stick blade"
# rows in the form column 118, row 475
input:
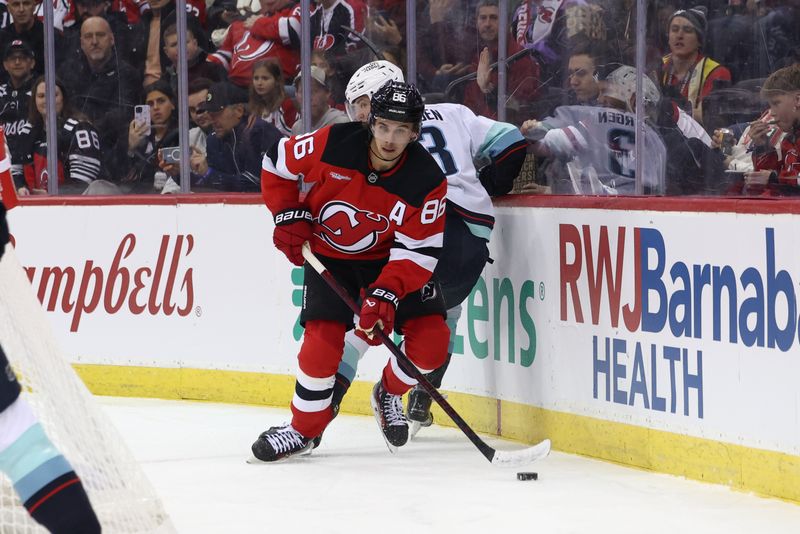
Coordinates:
column 522, row 457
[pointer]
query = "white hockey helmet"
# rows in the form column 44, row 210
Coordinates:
column 621, row 85
column 366, row 81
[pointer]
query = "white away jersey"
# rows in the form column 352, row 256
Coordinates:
column 456, row 137
column 602, row 141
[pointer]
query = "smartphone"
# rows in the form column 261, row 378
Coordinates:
column 141, row 114
column 171, row 154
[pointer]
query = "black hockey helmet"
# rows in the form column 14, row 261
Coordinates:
column 397, row 101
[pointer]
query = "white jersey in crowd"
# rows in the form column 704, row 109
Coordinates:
column 456, row 138
column 602, row 142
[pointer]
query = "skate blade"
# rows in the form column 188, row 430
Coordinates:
column 413, row 429
column 306, row 451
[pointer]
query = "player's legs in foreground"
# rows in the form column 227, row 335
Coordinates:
column 460, row 266
column 354, row 350
column 419, row 402
column 311, row 405
column 425, row 344
column 44, row 480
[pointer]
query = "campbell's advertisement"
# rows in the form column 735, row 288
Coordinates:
column 686, row 322
column 194, row 286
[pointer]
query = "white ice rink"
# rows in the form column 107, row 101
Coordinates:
column 194, row 453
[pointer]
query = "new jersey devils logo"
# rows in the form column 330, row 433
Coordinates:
column 349, row 229
column 324, row 42
column 245, row 50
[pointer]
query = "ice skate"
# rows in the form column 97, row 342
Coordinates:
column 418, row 412
column 280, row 442
column 388, row 410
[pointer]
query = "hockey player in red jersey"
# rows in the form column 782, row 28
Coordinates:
column 371, row 202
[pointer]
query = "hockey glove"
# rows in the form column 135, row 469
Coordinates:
column 292, row 229
column 377, row 310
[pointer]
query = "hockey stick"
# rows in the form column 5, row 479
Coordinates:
column 499, row 458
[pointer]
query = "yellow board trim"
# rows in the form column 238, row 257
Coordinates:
column 764, row 472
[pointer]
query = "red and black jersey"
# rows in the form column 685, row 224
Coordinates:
column 243, row 47
column 327, row 26
column 79, row 154
column 359, row 213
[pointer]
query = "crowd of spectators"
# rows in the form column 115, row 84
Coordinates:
column 720, row 87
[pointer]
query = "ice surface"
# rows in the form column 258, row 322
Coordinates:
column 195, row 455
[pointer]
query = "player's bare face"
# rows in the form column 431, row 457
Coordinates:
column 389, row 140
column 359, row 110
column 41, row 101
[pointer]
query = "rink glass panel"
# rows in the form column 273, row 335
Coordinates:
column 751, row 40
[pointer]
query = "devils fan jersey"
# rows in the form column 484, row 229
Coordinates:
column 456, row 137
column 359, row 213
column 603, row 141
column 243, row 48
column 78, row 154
column 328, row 26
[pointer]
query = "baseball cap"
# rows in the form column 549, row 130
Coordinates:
column 18, row 45
column 222, row 94
column 317, row 74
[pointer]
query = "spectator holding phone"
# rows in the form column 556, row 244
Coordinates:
column 147, row 133
column 234, row 149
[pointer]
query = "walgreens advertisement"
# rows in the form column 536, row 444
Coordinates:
column 686, row 322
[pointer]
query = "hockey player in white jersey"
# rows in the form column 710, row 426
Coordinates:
column 456, row 137
column 598, row 142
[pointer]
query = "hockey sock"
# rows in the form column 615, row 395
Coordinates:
column 453, row 315
column 43, row 478
column 340, row 388
column 63, row 507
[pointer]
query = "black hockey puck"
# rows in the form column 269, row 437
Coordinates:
column 528, row 476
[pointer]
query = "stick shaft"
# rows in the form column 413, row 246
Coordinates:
column 487, row 451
